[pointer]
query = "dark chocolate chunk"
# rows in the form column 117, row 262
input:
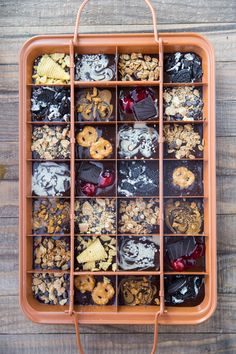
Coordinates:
column 145, row 109
column 89, row 172
column 181, row 248
column 182, row 76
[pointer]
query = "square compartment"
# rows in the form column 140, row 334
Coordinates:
column 51, row 252
column 95, row 253
column 182, row 67
column 183, row 178
column 50, row 216
column 50, row 142
column 137, row 290
column 96, row 142
column 95, row 178
column 50, row 179
column 50, row 104
column 184, row 254
column 51, row 68
column 184, row 290
column 184, row 216
column 138, row 216
column 138, row 253
column 44, row 283
column 95, row 216
column 95, row 67
column 183, row 141
column 95, row 104
column 96, row 290
column 138, row 141
column 183, row 103
column 138, row 67
column 138, row 103
column 138, row 178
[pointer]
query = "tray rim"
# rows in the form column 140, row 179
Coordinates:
column 210, row 307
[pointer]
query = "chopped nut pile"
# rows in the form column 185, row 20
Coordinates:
column 51, row 253
column 182, row 103
column 94, row 105
column 51, row 216
column 138, row 66
column 136, row 291
column 50, row 288
column 138, row 216
column 96, row 253
column 183, row 140
column 184, row 217
column 96, row 216
column 52, row 69
column 51, row 142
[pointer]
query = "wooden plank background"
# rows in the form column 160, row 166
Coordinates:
column 22, row 19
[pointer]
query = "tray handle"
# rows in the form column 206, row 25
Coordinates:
column 78, row 339
column 148, row 2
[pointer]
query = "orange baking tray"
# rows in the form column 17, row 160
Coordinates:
column 116, row 44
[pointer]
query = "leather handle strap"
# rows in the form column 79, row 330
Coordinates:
column 148, row 2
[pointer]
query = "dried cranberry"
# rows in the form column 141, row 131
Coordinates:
column 89, row 189
column 106, row 179
column 178, row 265
column 127, row 104
column 198, row 252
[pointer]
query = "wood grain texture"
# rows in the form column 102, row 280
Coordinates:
column 109, row 343
column 32, row 13
column 21, row 20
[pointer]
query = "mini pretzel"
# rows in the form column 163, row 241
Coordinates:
column 84, row 283
column 87, row 136
column 101, row 149
column 183, row 177
column 102, row 293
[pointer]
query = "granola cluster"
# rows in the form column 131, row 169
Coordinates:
column 183, row 141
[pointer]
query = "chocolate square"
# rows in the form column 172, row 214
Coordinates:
column 145, row 109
